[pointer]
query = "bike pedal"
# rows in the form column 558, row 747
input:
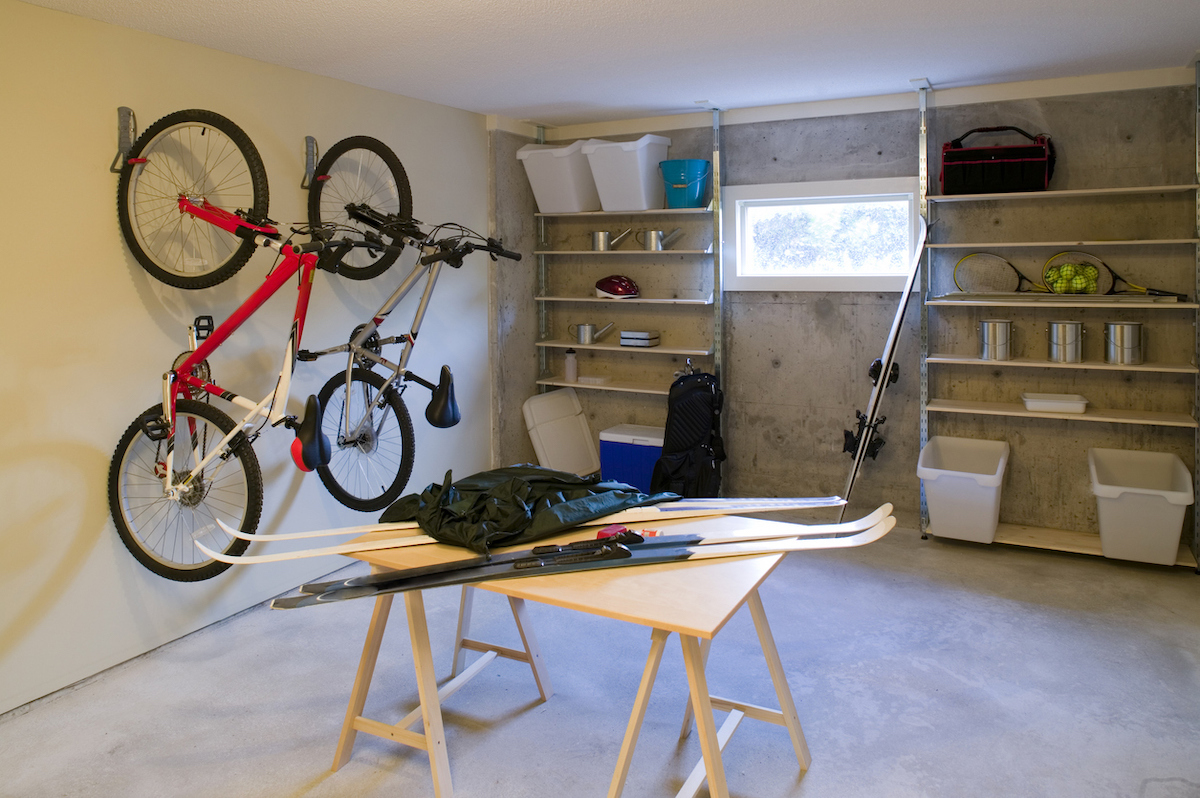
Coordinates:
column 305, row 355
column 155, row 427
column 203, row 327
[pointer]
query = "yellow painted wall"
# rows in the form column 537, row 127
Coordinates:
column 85, row 333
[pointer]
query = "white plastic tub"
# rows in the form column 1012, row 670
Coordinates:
column 1141, row 498
column 962, row 479
column 560, row 177
column 626, row 172
column 1054, row 402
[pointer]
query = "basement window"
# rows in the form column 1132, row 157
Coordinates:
column 846, row 235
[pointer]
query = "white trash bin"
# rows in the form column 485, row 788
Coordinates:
column 1141, row 498
column 626, row 172
column 560, row 177
column 962, row 479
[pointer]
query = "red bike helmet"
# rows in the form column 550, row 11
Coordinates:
column 616, row 286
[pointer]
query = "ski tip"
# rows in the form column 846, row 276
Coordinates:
column 215, row 555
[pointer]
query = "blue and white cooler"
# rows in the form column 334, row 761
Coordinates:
column 628, row 453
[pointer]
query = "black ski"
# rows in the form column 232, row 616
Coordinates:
column 607, row 554
column 865, row 442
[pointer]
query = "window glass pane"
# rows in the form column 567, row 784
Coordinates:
column 825, row 236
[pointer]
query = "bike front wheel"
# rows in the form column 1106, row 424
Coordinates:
column 161, row 530
column 359, row 171
column 200, row 155
column 373, row 455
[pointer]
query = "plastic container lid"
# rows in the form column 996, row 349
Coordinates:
column 634, row 433
column 628, row 146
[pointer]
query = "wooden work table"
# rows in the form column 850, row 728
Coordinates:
column 691, row 599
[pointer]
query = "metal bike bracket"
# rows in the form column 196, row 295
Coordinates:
column 310, row 161
column 126, row 133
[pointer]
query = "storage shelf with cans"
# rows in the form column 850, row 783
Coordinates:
column 1140, row 392
column 679, row 298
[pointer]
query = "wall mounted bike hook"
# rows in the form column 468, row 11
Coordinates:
column 126, row 133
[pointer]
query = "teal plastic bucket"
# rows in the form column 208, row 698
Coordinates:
column 685, row 181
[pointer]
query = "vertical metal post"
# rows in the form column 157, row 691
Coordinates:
column 1196, row 330
column 718, row 243
column 923, row 176
column 543, row 315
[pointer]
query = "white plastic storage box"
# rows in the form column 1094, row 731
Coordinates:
column 1141, row 498
column 560, row 177
column 962, row 486
column 559, row 432
column 628, row 453
column 626, row 172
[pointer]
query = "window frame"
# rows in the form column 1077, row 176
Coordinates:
column 735, row 198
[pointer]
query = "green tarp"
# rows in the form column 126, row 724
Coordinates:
column 514, row 505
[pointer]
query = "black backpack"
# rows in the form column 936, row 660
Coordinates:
column 692, row 447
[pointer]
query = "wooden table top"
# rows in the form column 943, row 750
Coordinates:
column 692, row 598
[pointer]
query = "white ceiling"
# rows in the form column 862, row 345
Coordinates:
column 559, row 62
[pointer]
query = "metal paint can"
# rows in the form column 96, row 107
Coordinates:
column 1123, row 343
column 1066, row 341
column 995, row 339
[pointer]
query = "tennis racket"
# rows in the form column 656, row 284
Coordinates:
column 1107, row 280
column 984, row 273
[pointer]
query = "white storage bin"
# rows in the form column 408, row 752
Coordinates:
column 1141, row 498
column 560, row 433
column 560, row 177
column 962, row 479
column 626, row 172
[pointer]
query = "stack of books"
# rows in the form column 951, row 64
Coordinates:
column 639, row 337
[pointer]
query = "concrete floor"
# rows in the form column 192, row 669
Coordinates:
column 920, row 668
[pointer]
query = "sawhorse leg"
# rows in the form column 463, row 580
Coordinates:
column 433, row 741
column 530, row 654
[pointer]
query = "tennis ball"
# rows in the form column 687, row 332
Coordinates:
column 1090, row 271
column 1067, row 270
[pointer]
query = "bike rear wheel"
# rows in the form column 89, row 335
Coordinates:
column 159, row 530
column 369, row 471
column 359, row 171
column 202, row 155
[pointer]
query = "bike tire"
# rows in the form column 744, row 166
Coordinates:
column 360, row 170
column 158, row 530
column 369, row 473
column 202, row 155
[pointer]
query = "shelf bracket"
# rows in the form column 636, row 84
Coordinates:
column 126, row 135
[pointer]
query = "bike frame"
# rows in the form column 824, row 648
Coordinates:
column 176, row 382
column 400, row 372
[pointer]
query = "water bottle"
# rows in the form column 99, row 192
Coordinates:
column 572, row 367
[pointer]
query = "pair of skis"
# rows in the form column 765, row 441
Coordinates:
column 865, row 442
column 623, row 549
column 407, row 533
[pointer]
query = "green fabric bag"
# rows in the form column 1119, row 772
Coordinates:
column 513, row 505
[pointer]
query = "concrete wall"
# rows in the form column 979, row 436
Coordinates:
column 796, row 363
column 87, row 333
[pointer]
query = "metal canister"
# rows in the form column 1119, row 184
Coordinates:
column 1123, row 343
column 995, row 339
column 1066, row 341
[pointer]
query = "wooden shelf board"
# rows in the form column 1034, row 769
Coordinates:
column 624, row 387
column 660, row 349
column 1057, row 301
column 635, row 301
column 1063, row 540
column 1063, row 244
column 1140, row 417
column 656, row 212
column 1062, row 193
column 621, row 253
column 1025, row 362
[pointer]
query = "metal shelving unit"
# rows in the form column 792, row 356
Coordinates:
column 1025, row 535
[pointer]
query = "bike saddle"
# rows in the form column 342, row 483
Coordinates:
column 442, row 410
column 311, row 448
